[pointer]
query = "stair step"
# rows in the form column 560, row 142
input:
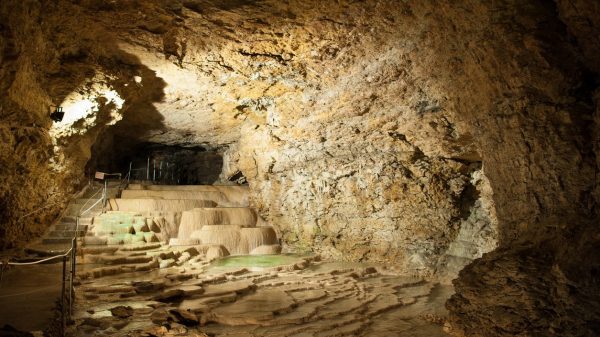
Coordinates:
column 70, row 227
column 73, row 218
column 65, row 234
column 88, row 201
column 56, row 240
column 47, row 250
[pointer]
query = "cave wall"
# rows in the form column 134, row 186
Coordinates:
column 530, row 105
column 26, row 150
column 52, row 54
column 376, row 173
column 424, row 134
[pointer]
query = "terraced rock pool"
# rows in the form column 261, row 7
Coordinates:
column 255, row 262
column 256, row 296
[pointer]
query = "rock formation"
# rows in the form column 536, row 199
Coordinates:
column 422, row 134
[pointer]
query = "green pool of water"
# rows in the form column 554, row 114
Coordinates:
column 256, row 261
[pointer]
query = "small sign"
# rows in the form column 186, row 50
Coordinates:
column 99, row 175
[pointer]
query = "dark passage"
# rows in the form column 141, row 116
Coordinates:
column 173, row 164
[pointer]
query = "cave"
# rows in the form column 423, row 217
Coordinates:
column 299, row 168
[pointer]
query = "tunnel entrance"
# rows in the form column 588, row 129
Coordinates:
column 162, row 164
column 172, row 164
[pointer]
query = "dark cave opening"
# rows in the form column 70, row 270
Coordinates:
column 162, row 164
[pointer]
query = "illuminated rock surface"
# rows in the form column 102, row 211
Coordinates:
column 306, row 298
column 426, row 136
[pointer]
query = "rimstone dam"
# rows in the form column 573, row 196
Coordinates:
column 287, row 168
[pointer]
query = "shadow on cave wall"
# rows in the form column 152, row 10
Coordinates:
column 140, row 118
column 207, row 6
column 41, row 65
column 125, row 143
column 541, row 168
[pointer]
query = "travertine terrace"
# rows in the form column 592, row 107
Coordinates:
column 432, row 165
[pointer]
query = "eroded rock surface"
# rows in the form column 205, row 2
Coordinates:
column 307, row 298
column 360, row 127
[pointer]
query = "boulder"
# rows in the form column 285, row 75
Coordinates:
column 215, row 252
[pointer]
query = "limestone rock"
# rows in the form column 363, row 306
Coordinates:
column 160, row 316
column 358, row 125
column 122, row 311
column 184, row 317
column 173, row 295
column 215, row 252
column 266, row 249
column 147, row 287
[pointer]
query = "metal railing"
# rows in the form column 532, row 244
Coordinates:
column 72, row 251
column 157, row 171
column 74, row 241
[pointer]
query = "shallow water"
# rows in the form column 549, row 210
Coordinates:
column 256, row 261
column 337, row 265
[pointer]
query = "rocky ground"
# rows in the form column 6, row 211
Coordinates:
column 423, row 134
column 305, row 297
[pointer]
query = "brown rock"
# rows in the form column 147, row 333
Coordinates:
column 122, row 311
column 173, row 295
column 160, row 316
column 184, row 317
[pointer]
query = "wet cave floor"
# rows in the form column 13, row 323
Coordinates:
column 252, row 296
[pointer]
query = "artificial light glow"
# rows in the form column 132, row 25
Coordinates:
column 82, row 105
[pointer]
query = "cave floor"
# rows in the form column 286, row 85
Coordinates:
column 29, row 289
column 306, row 298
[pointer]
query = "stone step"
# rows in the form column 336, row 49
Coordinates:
column 84, row 220
column 74, row 209
column 48, row 249
column 89, row 202
column 56, row 240
column 65, row 234
column 70, row 227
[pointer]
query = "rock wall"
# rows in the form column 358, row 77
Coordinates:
column 423, row 134
column 49, row 60
column 536, row 134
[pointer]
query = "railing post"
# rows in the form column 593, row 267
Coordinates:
column 62, row 309
column 160, row 171
column 73, row 271
column 129, row 174
column 104, row 194
column 148, row 170
column 154, row 170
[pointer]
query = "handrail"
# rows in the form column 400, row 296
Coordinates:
column 124, row 181
column 90, row 208
column 72, row 251
column 90, row 198
column 38, row 261
column 64, row 256
column 39, row 209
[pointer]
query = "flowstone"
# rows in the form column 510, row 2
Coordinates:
column 290, row 296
